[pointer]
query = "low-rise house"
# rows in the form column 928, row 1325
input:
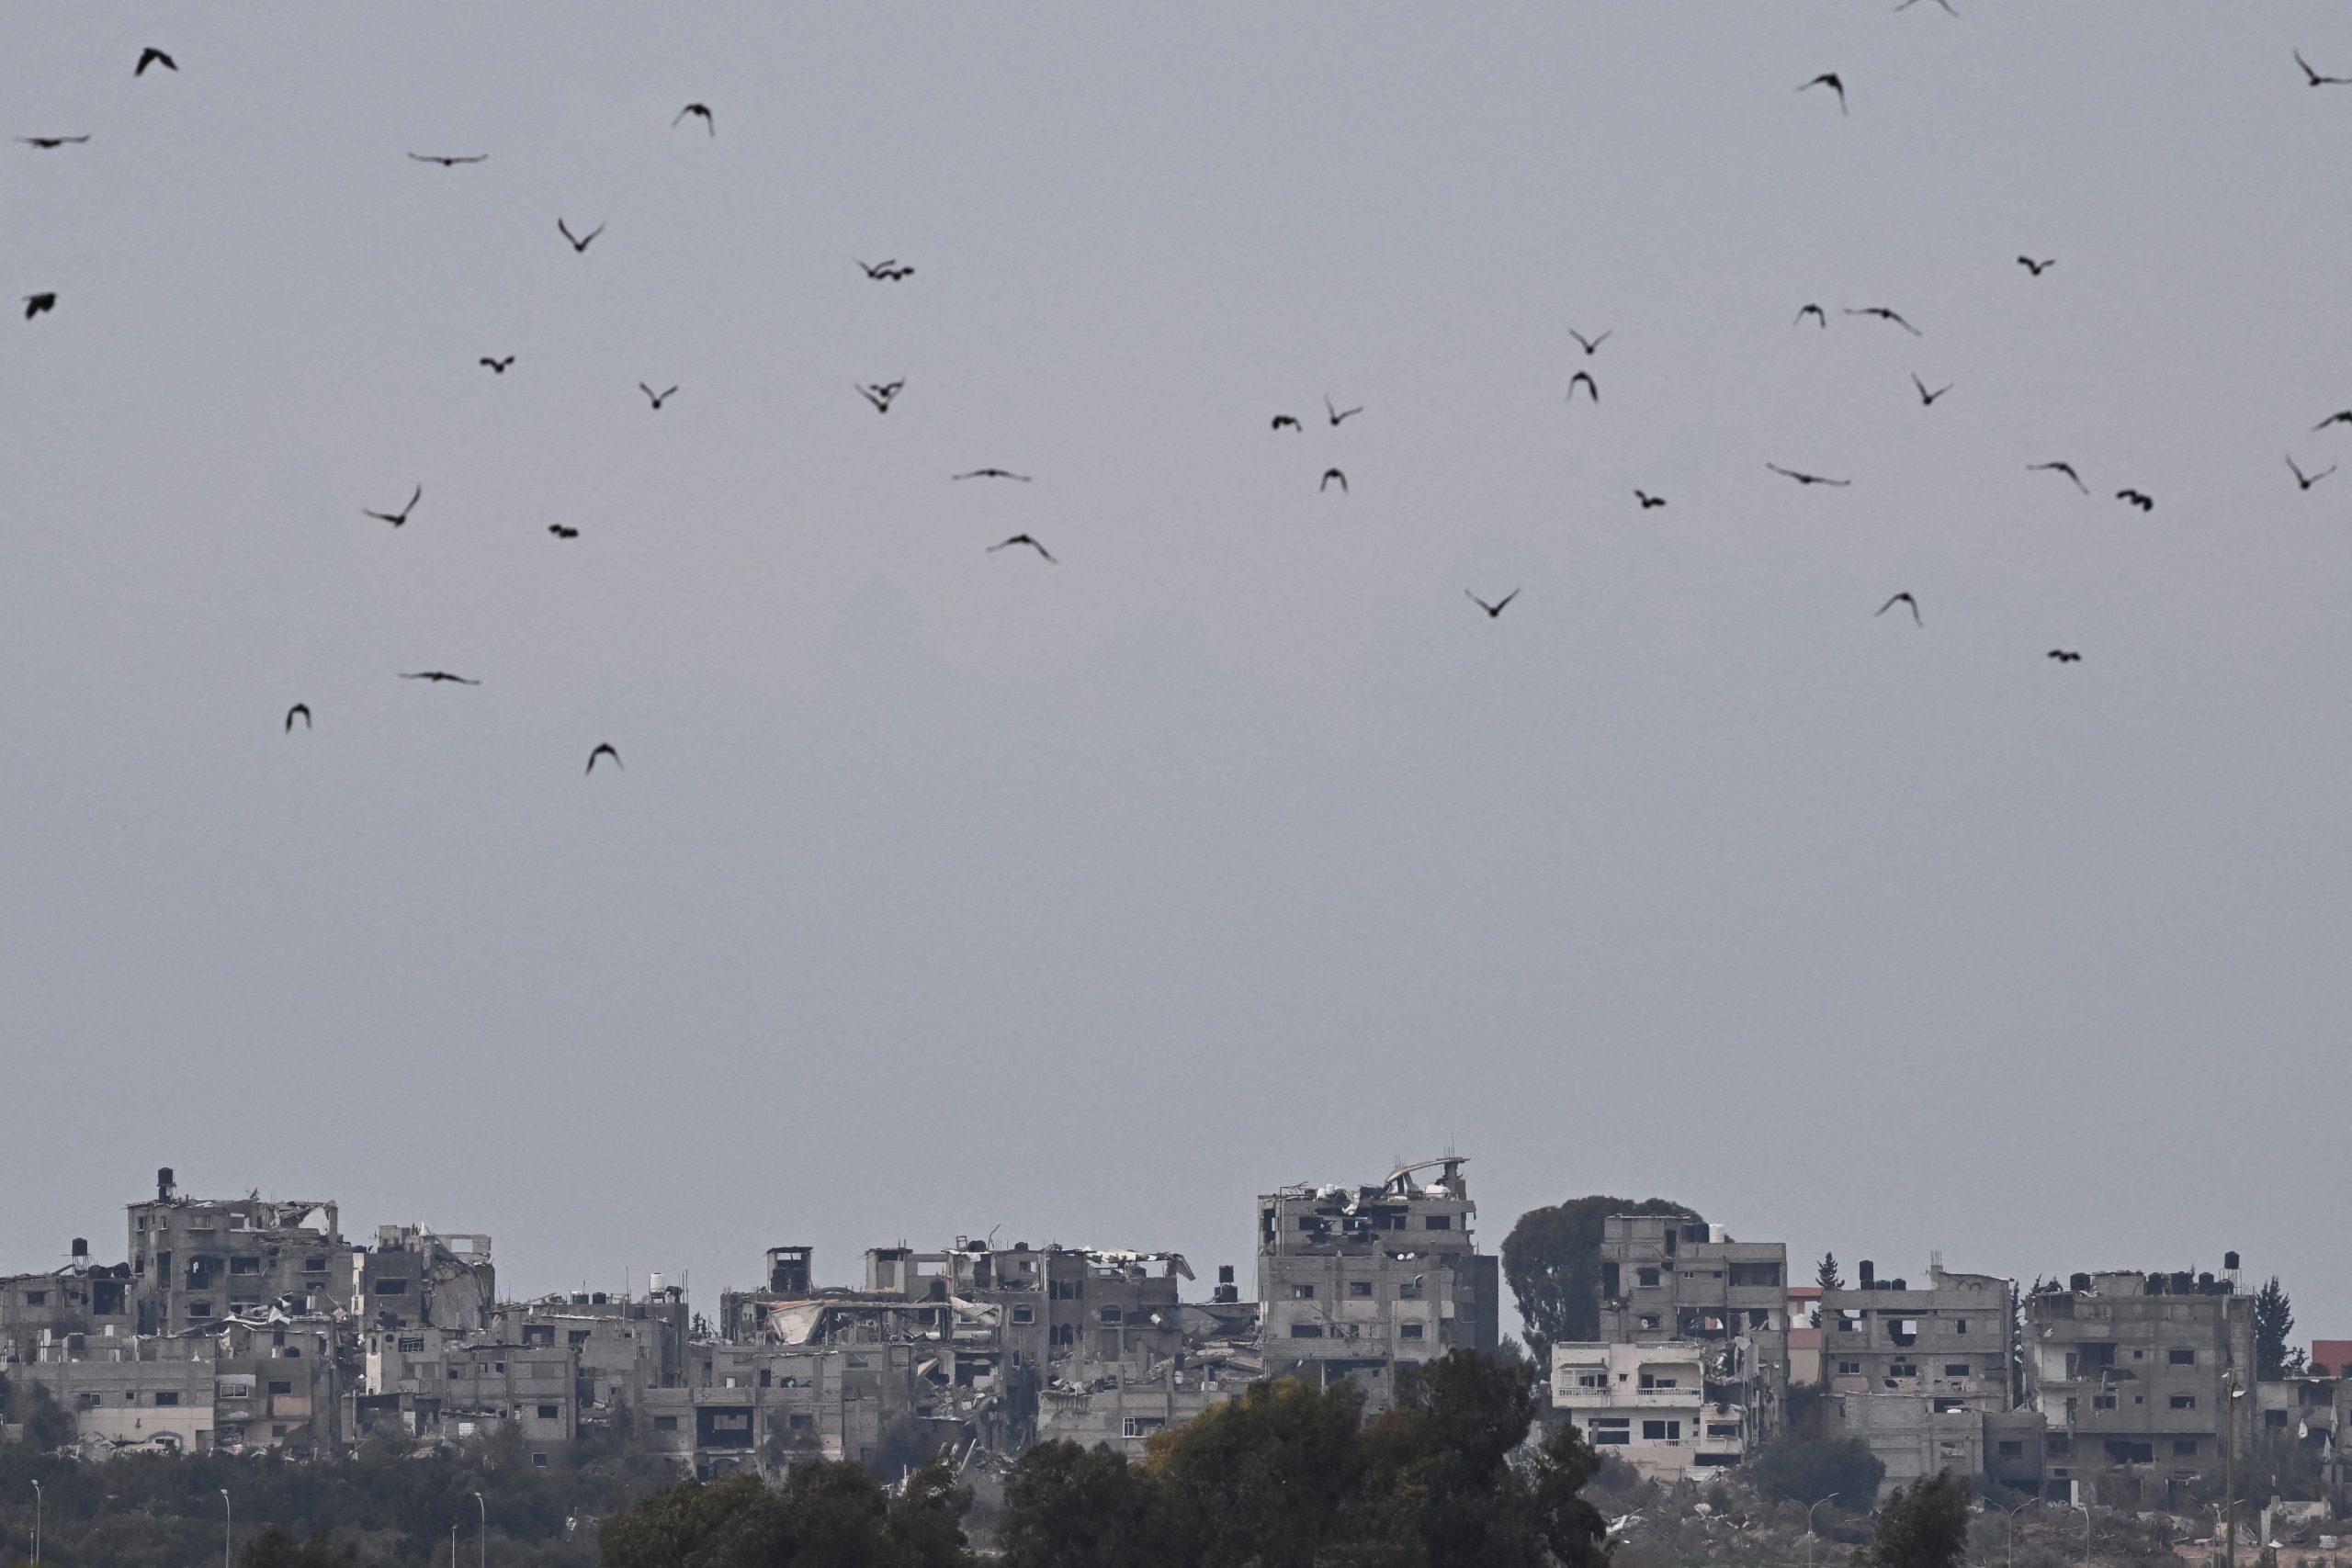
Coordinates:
column 1650, row 1405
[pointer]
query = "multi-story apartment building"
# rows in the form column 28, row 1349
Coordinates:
column 80, row 1298
column 194, row 1261
column 1666, row 1279
column 1914, row 1372
column 1650, row 1405
column 2139, row 1380
column 1357, row 1281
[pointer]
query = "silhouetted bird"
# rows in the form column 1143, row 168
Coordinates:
column 2037, row 267
column 1495, row 610
column 1024, row 539
column 1591, row 346
column 437, row 676
column 2063, row 657
column 154, row 57
column 1337, row 414
column 886, row 271
column 604, row 748
column 579, row 246
column 398, row 518
column 1829, row 79
column 1882, row 314
column 1927, row 397
column 449, row 163
column 37, row 303
column 1945, row 4
column 991, row 474
column 1806, row 478
column 2065, row 468
column 1816, row 312
column 1329, row 475
column 1648, row 500
column 46, row 142
column 1283, row 421
column 564, row 532
column 301, row 708
column 2304, row 481
column 1903, row 598
column 2137, row 497
column 1585, row 378
column 2344, row 417
column 880, row 395
column 658, row 398
column 2313, row 79
column 498, row 366
column 703, row 112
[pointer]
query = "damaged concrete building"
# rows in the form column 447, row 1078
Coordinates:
column 195, row 1260
column 1668, row 1280
column 1355, row 1282
column 1925, row 1375
column 414, row 1277
column 2139, row 1381
column 81, row 1298
column 1651, row 1405
column 262, row 1382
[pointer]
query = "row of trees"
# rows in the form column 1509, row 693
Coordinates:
column 1286, row 1476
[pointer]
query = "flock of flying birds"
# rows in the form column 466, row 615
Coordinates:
column 881, row 395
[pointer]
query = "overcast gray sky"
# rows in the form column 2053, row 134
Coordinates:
column 946, row 890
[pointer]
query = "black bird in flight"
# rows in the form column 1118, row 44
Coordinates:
column 578, row 245
column 991, row 474
column 1337, row 414
column 2313, row 79
column 1807, row 478
column 1281, row 420
column 449, row 162
column 438, row 675
column 1829, row 79
column 2137, row 497
column 302, row 708
column 1945, row 4
column 46, row 142
column 1927, row 397
column 709, row 124
column 397, row 519
column 2063, row 657
column 153, row 56
column 1648, row 500
column 1591, row 346
column 498, row 366
column 2304, row 481
column 1884, row 315
column 1589, row 386
column 564, row 532
column 1816, row 312
column 2344, row 417
column 1024, row 539
column 1329, row 475
column 658, row 398
column 880, row 395
column 1495, row 610
column 35, row 303
column 2065, row 468
column 604, row 748
column 2037, row 267
column 885, row 272
column 1903, row 598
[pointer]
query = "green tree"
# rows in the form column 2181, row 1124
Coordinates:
column 2274, row 1318
column 1066, row 1507
column 1806, row 1470
column 1552, row 1258
column 828, row 1514
column 1924, row 1525
column 1826, row 1275
column 2017, row 1347
column 277, row 1547
column 1262, row 1478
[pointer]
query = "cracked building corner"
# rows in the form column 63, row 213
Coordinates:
column 1355, row 1283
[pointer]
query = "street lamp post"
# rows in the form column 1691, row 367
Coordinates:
column 2085, row 1508
column 36, row 1500
column 228, row 1530
column 482, row 1542
column 1808, row 1529
column 2013, row 1514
